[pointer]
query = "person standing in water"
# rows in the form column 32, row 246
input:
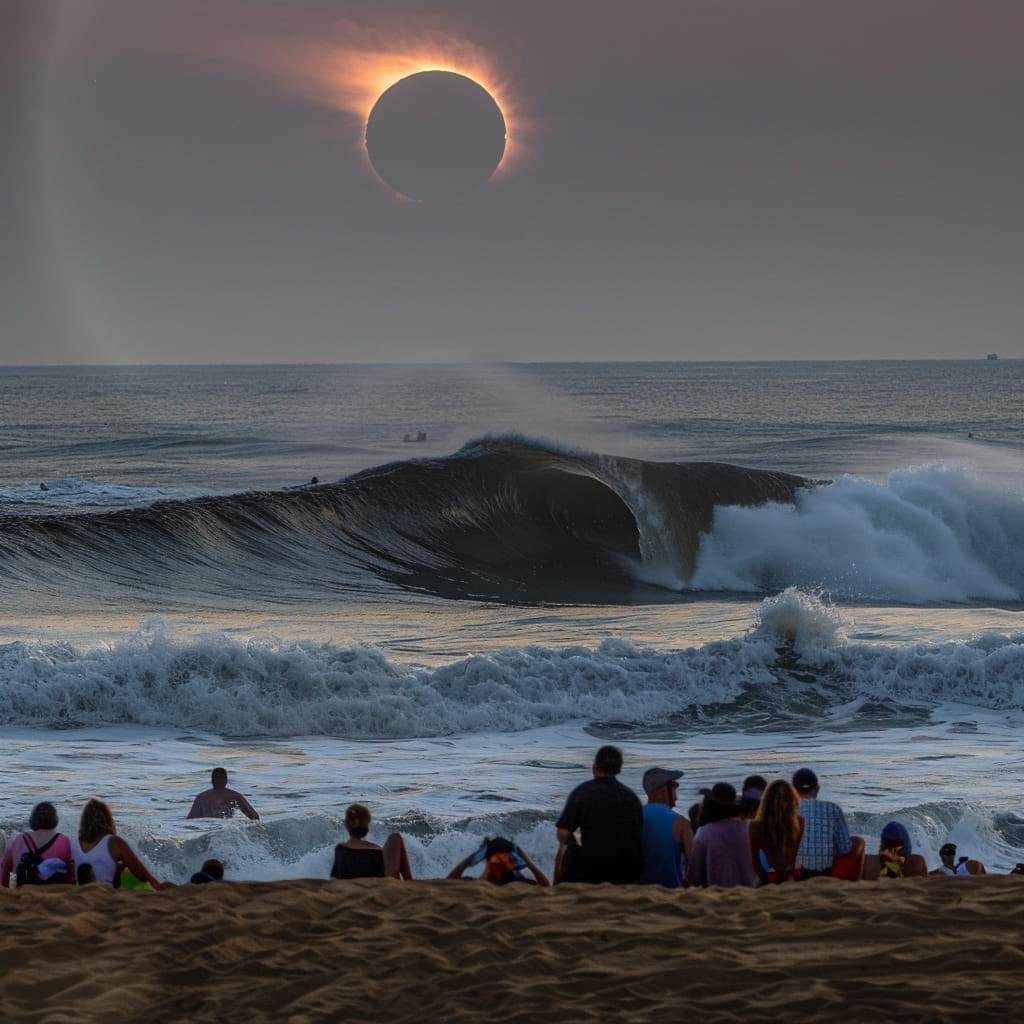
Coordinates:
column 219, row 801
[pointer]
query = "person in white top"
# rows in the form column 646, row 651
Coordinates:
column 101, row 853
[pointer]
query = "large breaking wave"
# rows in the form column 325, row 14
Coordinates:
column 501, row 519
column 793, row 667
column 506, row 519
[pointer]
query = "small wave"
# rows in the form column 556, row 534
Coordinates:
column 792, row 666
column 75, row 495
column 303, row 846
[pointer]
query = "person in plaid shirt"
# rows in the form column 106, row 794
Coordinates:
column 826, row 834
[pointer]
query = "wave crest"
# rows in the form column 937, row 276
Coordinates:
column 502, row 519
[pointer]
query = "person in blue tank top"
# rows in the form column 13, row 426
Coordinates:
column 668, row 837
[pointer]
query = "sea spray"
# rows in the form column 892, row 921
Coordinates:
column 798, row 618
column 931, row 534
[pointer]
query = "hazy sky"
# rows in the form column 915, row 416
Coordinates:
column 717, row 179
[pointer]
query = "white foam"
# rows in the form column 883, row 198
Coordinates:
column 268, row 687
column 799, row 618
column 930, row 534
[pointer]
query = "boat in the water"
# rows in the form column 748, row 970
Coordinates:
column 992, row 356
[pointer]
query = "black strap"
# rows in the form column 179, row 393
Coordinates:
column 42, row 849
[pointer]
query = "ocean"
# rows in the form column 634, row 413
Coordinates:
column 722, row 567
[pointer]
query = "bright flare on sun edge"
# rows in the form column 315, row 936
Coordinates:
column 349, row 69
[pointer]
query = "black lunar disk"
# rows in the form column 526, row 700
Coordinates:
column 435, row 135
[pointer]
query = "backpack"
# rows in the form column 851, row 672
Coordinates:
column 27, row 872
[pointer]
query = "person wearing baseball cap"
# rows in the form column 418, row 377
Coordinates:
column 668, row 838
column 826, row 834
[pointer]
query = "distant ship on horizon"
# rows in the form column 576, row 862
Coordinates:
column 992, row 356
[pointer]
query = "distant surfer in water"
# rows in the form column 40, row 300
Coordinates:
column 43, row 487
column 315, row 480
column 220, row 802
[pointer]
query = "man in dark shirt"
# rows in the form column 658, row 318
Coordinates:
column 610, row 820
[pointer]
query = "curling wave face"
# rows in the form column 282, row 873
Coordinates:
column 502, row 519
column 517, row 521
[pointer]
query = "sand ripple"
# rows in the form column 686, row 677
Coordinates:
column 371, row 951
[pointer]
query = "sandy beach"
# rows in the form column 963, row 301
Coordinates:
column 449, row 951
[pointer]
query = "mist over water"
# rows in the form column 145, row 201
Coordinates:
column 729, row 567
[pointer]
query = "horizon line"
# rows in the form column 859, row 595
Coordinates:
column 508, row 362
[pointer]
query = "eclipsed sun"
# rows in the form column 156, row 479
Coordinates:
column 435, row 116
column 435, row 135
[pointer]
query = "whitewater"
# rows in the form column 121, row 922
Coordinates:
column 725, row 568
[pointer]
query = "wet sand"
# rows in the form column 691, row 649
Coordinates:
column 295, row 952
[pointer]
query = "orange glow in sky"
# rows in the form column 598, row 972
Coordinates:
column 349, row 68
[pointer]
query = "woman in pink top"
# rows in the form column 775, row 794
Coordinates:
column 101, row 854
column 721, row 847
column 53, row 847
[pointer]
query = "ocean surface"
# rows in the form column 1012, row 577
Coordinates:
column 723, row 567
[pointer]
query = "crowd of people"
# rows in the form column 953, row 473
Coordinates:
column 767, row 833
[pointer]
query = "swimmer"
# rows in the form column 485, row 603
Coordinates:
column 221, row 802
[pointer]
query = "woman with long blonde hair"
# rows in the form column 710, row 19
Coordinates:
column 101, row 855
column 775, row 834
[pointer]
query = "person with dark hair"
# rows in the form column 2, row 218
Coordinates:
column 504, row 863
column 610, row 821
column 957, row 867
column 211, row 871
column 721, row 847
column 112, row 862
column 750, row 794
column 668, row 838
column 895, row 857
column 219, row 801
column 40, row 856
column 826, row 834
column 693, row 815
column 775, row 834
column 359, row 858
